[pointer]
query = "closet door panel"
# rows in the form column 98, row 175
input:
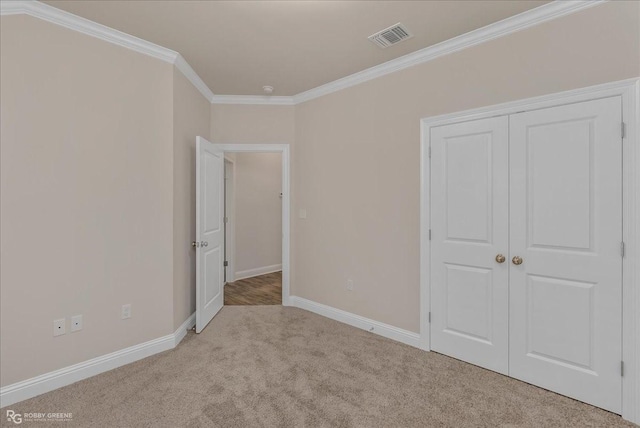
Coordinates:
column 566, row 226
column 469, row 228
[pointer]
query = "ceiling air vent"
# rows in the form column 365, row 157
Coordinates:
column 391, row 36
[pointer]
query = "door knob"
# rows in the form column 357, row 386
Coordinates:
column 517, row 260
column 500, row 258
column 195, row 244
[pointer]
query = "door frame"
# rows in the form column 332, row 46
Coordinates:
column 230, row 225
column 283, row 149
column 629, row 91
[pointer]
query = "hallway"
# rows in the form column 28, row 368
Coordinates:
column 259, row 290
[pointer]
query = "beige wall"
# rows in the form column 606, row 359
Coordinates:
column 86, row 196
column 257, row 124
column 258, row 211
column 191, row 117
column 357, row 151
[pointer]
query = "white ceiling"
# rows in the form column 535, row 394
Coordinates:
column 237, row 47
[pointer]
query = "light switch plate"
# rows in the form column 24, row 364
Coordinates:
column 126, row 311
column 302, row 213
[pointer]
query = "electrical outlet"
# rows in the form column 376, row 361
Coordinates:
column 126, row 311
column 350, row 284
column 76, row 323
column 59, row 327
column 302, row 213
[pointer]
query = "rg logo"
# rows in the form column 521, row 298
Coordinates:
column 14, row 417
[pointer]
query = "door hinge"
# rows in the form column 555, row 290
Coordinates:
column 226, row 263
column 429, row 317
column 429, row 234
column 226, row 219
column 622, row 249
column 621, row 368
column 623, row 129
column 429, row 152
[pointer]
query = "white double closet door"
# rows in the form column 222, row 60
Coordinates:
column 543, row 189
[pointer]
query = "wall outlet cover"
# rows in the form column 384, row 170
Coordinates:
column 76, row 323
column 59, row 327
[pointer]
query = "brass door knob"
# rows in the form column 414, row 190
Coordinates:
column 517, row 260
column 500, row 258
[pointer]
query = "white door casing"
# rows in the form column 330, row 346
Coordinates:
column 566, row 225
column 286, row 202
column 209, row 232
column 469, row 229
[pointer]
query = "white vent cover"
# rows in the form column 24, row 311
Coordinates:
column 391, row 36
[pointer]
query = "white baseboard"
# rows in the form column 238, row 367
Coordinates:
column 35, row 386
column 250, row 273
column 181, row 332
column 30, row 388
column 390, row 332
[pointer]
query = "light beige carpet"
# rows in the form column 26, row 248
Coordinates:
column 272, row 366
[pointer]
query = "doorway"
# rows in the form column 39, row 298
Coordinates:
column 253, row 228
column 210, row 241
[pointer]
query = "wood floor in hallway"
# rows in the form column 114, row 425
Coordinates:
column 259, row 290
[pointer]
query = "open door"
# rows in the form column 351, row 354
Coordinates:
column 209, row 232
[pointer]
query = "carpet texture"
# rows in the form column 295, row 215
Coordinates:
column 273, row 366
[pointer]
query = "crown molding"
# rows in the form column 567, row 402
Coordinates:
column 73, row 22
column 253, row 99
column 68, row 20
column 182, row 65
column 530, row 18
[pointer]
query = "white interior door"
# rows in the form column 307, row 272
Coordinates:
column 209, row 232
column 469, row 230
column 566, row 225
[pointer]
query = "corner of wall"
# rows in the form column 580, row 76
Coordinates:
column 191, row 118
